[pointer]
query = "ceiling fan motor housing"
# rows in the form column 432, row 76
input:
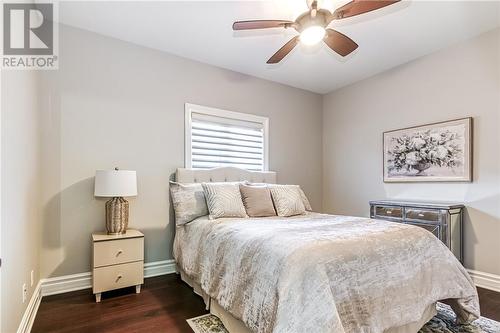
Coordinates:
column 304, row 21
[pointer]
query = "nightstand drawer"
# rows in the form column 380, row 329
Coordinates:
column 120, row 251
column 118, row 276
column 422, row 214
column 388, row 211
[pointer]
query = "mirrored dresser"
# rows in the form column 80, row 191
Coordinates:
column 444, row 220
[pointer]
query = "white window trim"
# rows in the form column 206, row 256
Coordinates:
column 190, row 108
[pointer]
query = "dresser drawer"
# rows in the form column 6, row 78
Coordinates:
column 433, row 228
column 118, row 251
column 118, row 276
column 389, row 211
column 427, row 215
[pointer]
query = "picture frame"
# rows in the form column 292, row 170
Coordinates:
column 435, row 152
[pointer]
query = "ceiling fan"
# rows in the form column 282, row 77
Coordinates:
column 312, row 26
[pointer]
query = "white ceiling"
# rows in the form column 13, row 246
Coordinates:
column 202, row 31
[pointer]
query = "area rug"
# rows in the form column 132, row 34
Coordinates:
column 443, row 322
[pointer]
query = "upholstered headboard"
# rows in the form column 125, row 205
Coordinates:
column 224, row 174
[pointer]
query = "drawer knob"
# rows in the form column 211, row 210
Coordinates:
column 119, row 252
column 388, row 211
column 420, row 214
column 118, row 278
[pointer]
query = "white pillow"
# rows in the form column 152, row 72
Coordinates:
column 287, row 200
column 189, row 201
column 224, row 200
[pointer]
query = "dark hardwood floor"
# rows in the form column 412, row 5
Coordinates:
column 490, row 303
column 163, row 305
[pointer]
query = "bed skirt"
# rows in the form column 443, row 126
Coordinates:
column 234, row 325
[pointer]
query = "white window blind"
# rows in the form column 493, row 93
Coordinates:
column 223, row 138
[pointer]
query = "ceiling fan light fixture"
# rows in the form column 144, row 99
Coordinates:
column 312, row 35
column 312, row 26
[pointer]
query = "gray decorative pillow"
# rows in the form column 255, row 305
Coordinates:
column 257, row 200
column 224, row 200
column 287, row 200
column 189, row 201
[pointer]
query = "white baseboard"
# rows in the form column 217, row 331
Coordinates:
column 485, row 280
column 67, row 283
column 157, row 268
column 31, row 310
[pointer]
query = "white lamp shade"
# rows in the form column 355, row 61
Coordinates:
column 115, row 183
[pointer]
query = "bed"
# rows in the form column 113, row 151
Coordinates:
column 317, row 272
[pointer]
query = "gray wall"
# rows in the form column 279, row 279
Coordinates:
column 20, row 205
column 112, row 103
column 461, row 81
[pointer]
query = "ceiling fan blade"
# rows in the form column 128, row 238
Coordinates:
column 260, row 24
column 357, row 7
column 339, row 42
column 285, row 49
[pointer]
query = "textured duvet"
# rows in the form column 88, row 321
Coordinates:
column 322, row 273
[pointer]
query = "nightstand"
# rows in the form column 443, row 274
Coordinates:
column 118, row 261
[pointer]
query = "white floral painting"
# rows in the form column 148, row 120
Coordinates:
column 434, row 152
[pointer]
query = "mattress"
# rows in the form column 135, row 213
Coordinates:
column 234, row 325
column 322, row 273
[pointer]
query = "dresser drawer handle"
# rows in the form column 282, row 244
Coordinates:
column 388, row 211
column 119, row 252
column 118, row 278
column 421, row 215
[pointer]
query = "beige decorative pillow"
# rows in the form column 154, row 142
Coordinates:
column 188, row 201
column 305, row 201
column 287, row 200
column 257, row 201
column 224, row 200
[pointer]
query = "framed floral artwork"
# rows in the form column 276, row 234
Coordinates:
column 439, row 152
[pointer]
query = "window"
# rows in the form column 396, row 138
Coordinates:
column 216, row 138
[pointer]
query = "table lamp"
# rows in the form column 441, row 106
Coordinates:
column 116, row 184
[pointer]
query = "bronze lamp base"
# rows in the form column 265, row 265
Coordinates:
column 116, row 216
